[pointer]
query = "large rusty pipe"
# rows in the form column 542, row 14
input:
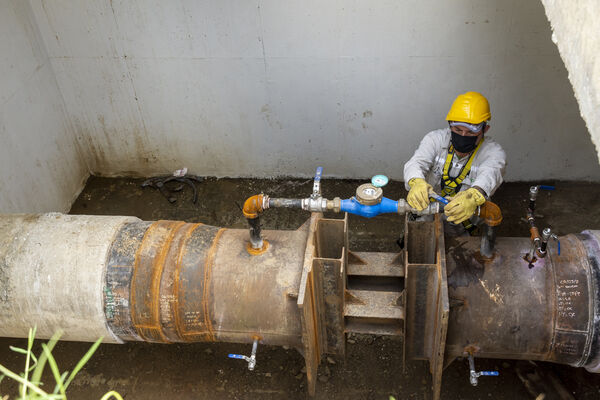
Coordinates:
column 502, row 308
column 164, row 281
column 170, row 281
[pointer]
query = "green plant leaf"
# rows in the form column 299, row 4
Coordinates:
column 22, row 381
column 58, row 386
column 54, row 367
column 30, row 339
column 23, row 351
column 18, row 349
column 110, row 394
column 39, row 369
column 83, row 361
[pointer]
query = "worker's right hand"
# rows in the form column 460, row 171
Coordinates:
column 418, row 197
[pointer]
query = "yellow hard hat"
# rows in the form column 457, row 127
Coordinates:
column 470, row 107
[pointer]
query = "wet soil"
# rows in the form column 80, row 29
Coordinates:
column 373, row 366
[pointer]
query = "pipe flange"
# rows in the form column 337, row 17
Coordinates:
column 256, row 252
column 369, row 195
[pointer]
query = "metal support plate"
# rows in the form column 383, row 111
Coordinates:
column 321, row 294
column 426, row 296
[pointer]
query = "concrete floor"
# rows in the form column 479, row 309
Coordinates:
column 373, row 367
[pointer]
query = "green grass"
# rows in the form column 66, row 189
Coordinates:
column 29, row 385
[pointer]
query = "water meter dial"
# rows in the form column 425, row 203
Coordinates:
column 368, row 194
column 379, row 180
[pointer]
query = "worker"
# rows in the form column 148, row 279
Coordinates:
column 458, row 162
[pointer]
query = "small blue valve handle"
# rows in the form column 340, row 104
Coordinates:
column 318, row 174
column 546, row 187
column 558, row 241
column 437, row 197
column 237, row 356
column 489, row 373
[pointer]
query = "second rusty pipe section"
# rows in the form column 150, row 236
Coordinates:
column 502, row 308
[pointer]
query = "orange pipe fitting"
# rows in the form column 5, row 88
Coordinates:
column 490, row 213
column 535, row 233
column 253, row 206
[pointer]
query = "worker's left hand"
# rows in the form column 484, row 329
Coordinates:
column 463, row 205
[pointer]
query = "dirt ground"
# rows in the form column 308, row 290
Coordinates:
column 373, row 366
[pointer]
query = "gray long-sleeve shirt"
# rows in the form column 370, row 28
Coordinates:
column 428, row 162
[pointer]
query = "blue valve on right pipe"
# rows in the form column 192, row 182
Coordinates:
column 489, row 373
column 546, row 187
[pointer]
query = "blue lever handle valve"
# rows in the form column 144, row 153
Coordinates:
column 238, row 356
column 318, row 174
column 546, row 187
column 438, row 198
column 490, row 373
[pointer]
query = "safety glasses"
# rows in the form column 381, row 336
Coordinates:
column 475, row 128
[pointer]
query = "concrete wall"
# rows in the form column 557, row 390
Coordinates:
column 576, row 31
column 40, row 167
column 271, row 87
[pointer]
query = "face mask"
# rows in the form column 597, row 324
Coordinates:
column 463, row 144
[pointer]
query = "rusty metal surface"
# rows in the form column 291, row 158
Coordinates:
column 171, row 281
column 420, row 283
column 189, row 298
column 374, row 312
column 333, row 296
column 490, row 213
column 310, row 305
column 170, row 297
column 426, row 298
column 504, row 309
column 376, row 264
column 500, row 305
column 374, row 302
column 436, row 362
column 321, row 295
column 145, row 282
column 191, row 282
column 573, row 320
column 591, row 241
column 255, row 296
column 119, row 270
column 253, row 206
column 331, row 240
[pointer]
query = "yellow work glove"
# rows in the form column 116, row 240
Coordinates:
column 418, row 197
column 463, row 205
